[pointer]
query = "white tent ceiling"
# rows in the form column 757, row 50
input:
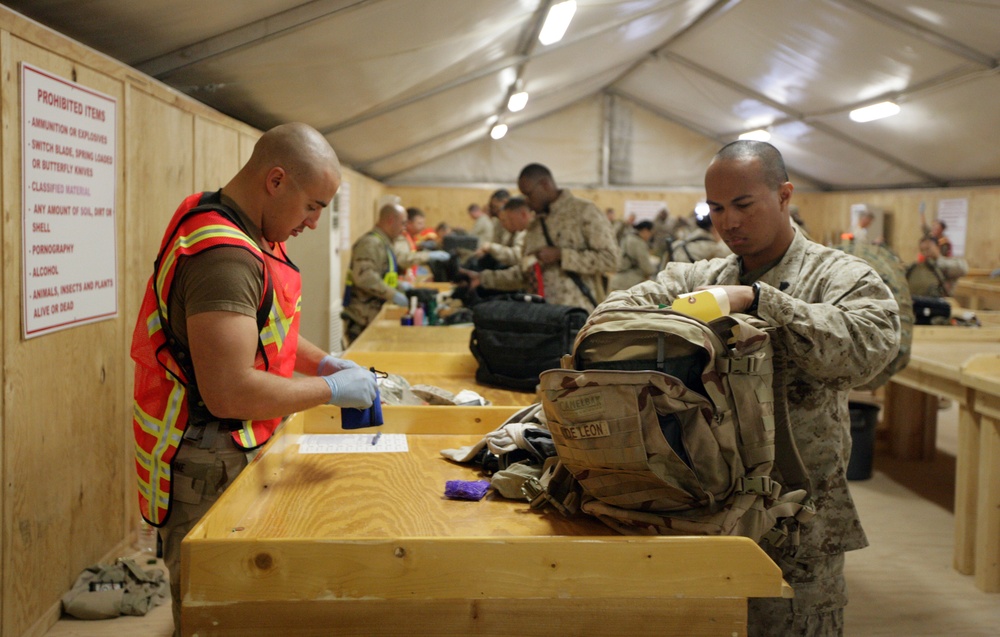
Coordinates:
column 639, row 93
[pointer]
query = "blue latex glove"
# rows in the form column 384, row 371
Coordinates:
column 439, row 255
column 400, row 299
column 353, row 387
column 331, row 364
column 404, row 286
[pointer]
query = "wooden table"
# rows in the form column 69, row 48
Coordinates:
column 429, row 355
column 962, row 364
column 366, row 544
column 978, row 292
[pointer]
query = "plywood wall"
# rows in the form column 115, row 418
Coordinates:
column 68, row 494
column 451, row 204
column 826, row 214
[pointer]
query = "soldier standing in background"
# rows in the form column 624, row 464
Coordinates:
column 571, row 240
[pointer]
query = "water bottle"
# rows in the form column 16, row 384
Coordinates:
column 146, row 537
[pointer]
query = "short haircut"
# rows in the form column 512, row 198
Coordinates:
column 388, row 211
column 944, row 226
column 770, row 159
column 643, row 225
column 503, row 193
column 515, row 202
column 534, row 172
column 413, row 213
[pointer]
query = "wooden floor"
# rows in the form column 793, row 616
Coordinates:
column 903, row 584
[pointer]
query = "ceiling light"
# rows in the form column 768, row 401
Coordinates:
column 556, row 22
column 875, row 111
column 517, row 101
column 498, row 131
column 759, row 135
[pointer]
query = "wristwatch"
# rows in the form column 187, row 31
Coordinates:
column 756, row 298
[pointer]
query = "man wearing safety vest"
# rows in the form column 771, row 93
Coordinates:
column 217, row 336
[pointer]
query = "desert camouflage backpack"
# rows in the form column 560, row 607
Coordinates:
column 669, row 425
column 893, row 274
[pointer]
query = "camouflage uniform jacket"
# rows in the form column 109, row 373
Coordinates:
column 369, row 264
column 935, row 277
column 588, row 247
column 482, row 228
column 836, row 327
column 698, row 244
column 407, row 255
column 500, row 234
column 507, row 248
column 634, row 265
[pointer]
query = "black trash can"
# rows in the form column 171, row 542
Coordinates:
column 863, row 420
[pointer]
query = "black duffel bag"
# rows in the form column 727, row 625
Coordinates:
column 517, row 337
column 931, row 310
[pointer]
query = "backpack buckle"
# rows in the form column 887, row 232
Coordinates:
column 758, row 485
column 555, row 479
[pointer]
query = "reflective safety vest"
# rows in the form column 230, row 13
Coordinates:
column 166, row 394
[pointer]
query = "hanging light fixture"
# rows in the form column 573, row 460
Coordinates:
column 874, row 112
column 759, row 135
column 498, row 131
column 517, row 101
column 556, row 22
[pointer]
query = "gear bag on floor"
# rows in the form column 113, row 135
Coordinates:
column 669, row 425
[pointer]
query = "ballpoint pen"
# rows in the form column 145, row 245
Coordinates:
column 375, row 438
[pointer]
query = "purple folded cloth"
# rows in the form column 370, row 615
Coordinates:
column 466, row 489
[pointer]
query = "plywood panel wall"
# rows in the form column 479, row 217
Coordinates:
column 216, row 154
column 68, row 489
column 827, row 215
column 63, row 399
column 451, row 204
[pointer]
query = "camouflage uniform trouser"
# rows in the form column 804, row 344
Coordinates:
column 199, row 478
column 818, row 607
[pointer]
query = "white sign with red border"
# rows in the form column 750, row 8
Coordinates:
column 69, row 175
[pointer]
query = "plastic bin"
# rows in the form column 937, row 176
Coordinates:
column 863, row 420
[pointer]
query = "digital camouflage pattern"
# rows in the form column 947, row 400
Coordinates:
column 836, row 326
column 634, row 265
column 588, row 247
column 893, row 274
column 697, row 245
column 367, row 289
column 686, row 448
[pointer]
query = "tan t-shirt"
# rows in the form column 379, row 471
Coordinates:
column 225, row 279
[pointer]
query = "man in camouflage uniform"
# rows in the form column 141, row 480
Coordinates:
column 634, row 264
column 409, row 254
column 701, row 243
column 934, row 274
column 836, row 326
column 374, row 272
column 580, row 247
column 516, row 216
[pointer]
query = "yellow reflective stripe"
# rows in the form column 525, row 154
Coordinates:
column 246, row 435
column 276, row 330
column 203, row 233
column 153, row 323
column 167, row 434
